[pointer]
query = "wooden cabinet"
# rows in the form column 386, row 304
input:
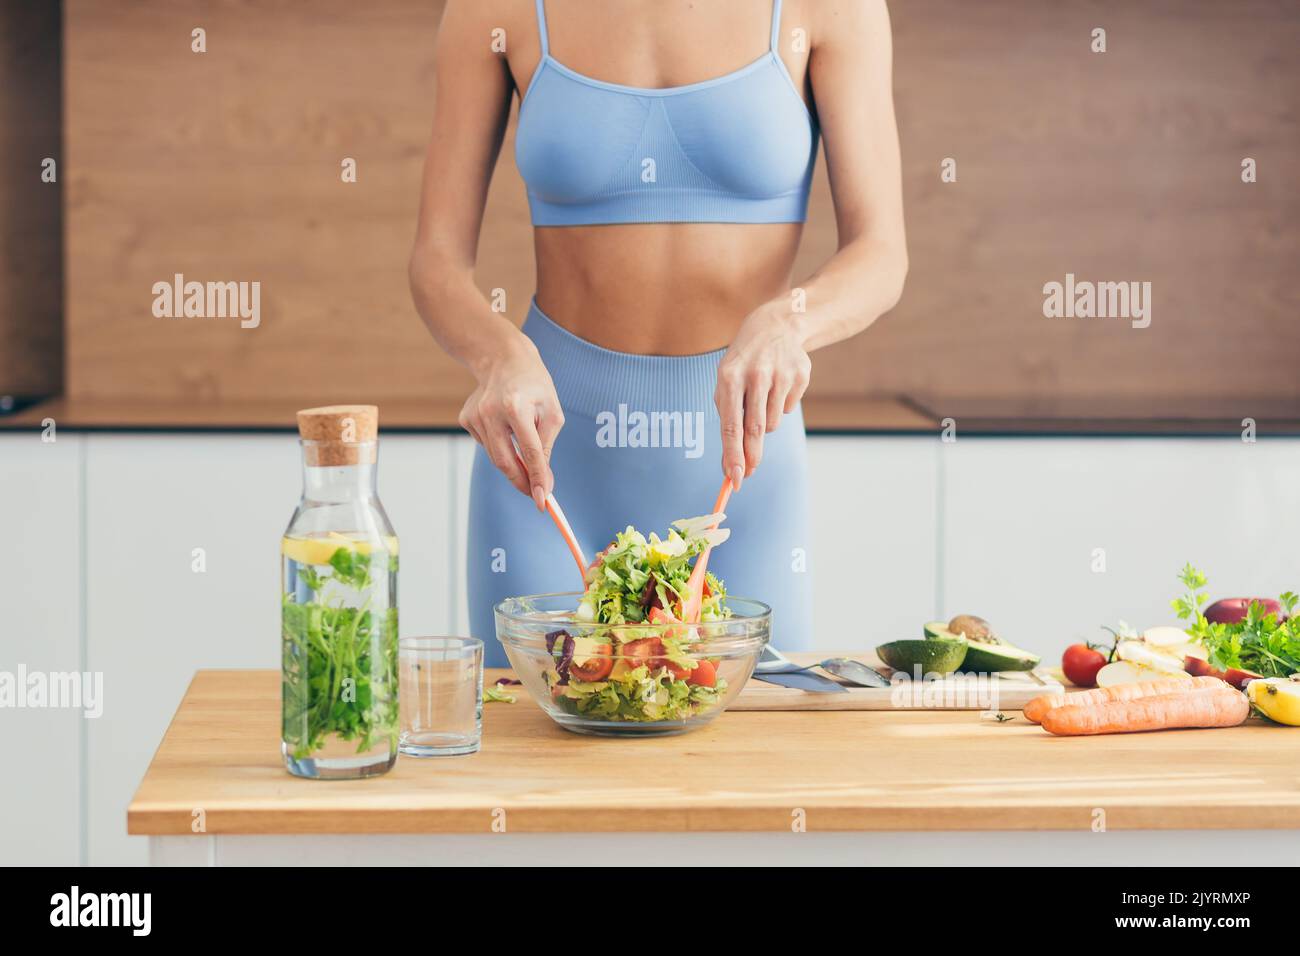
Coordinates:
column 1115, row 167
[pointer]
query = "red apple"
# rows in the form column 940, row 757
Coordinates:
column 1234, row 610
column 1238, row 678
column 1233, row 675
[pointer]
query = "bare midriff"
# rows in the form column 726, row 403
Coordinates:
column 661, row 288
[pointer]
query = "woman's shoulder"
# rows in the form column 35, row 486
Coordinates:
column 473, row 19
column 836, row 22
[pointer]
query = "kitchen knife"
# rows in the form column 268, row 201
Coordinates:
column 803, row 680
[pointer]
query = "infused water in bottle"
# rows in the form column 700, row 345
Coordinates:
column 339, row 714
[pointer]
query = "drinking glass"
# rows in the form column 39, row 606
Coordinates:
column 440, row 692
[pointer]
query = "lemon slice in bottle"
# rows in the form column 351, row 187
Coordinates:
column 319, row 551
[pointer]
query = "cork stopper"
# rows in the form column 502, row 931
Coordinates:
column 339, row 434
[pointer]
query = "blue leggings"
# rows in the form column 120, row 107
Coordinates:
column 641, row 446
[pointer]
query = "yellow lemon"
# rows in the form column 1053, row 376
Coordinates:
column 320, row 550
column 1278, row 698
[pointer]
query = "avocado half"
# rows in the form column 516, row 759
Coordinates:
column 933, row 656
column 938, row 630
column 982, row 658
column 991, row 658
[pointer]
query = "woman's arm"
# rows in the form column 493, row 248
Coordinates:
column 515, row 398
column 766, row 369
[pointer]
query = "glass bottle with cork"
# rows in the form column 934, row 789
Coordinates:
column 339, row 683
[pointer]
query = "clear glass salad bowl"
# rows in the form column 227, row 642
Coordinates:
column 630, row 679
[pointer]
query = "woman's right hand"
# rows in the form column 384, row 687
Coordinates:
column 515, row 405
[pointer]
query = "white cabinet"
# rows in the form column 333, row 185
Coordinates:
column 40, row 630
column 415, row 481
column 874, row 538
column 1047, row 537
column 183, row 573
column 462, row 465
column 1051, row 538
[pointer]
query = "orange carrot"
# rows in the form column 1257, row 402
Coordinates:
column 1036, row 708
column 1202, row 707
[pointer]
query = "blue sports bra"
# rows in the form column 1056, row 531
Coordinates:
column 738, row 148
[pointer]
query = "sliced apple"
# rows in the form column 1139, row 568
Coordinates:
column 1200, row 667
column 1127, row 672
column 1165, row 636
column 1154, row 658
column 1120, row 672
column 1239, row 678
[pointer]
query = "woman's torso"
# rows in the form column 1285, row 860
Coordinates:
column 667, row 288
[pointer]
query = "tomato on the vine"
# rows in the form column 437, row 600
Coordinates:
column 1081, row 663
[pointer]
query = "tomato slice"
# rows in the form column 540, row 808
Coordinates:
column 647, row 651
column 659, row 615
column 704, row 675
column 599, row 554
column 679, row 673
column 596, row 667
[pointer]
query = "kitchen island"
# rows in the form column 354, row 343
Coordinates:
column 896, row 788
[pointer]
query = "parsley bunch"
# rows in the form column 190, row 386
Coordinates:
column 1260, row 644
column 339, row 662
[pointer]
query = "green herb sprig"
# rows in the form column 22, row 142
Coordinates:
column 1260, row 644
column 339, row 662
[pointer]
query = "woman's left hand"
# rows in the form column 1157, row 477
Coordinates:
column 762, row 377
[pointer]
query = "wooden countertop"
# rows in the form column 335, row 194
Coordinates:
column 821, row 414
column 747, row 771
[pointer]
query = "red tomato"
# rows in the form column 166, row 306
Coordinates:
column 1081, row 664
column 646, row 651
column 596, row 560
column 597, row 667
column 705, row 675
column 659, row 615
column 679, row 673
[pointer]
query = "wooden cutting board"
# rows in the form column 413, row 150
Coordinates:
column 955, row 692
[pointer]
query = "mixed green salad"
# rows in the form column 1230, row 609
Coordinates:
column 637, row 661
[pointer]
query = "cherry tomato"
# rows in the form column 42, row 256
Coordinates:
column 659, row 615
column 704, row 675
column 1081, row 664
column 596, row 667
column 679, row 673
column 647, row 651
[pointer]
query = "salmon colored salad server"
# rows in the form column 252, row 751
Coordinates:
column 557, row 515
column 695, row 584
